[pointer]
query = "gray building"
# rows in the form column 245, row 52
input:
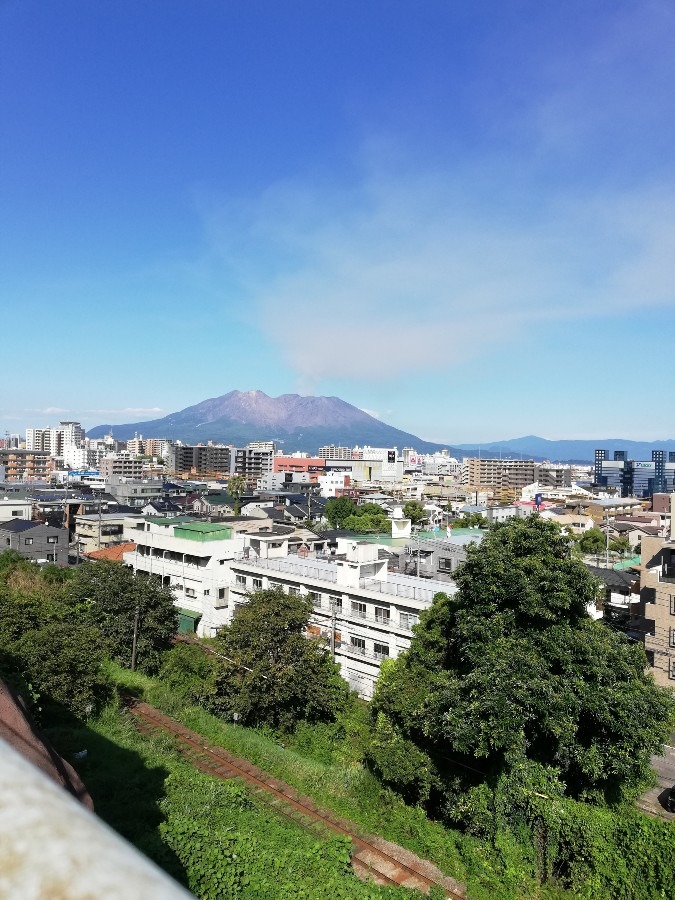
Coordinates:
column 635, row 478
column 35, row 541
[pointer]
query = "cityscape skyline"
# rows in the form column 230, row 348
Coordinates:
column 458, row 220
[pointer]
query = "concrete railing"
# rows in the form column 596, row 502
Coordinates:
column 51, row 846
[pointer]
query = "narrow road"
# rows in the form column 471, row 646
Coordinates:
column 653, row 801
column 373, row 859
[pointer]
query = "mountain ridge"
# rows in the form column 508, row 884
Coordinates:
column 295, row 421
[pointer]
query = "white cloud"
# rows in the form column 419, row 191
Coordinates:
column 370, row 412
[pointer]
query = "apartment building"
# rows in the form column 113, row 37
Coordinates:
column 96, row 532
column 364, row 612
column 333, row 452
column 26, row 465
column 199, row 459
column 502, row 475
column 134, row 492
column 123, row 464
column 254, row 461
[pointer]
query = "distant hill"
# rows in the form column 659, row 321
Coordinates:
column 292, row 421
column 535, row 447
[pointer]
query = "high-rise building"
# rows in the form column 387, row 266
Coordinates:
column 635, row 478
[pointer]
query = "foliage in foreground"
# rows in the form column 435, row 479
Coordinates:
column 511, row 678
column 209, row 834
column 117, row 600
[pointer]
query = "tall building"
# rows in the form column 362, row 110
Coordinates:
column 502, row 475
column 200, row 459
column 635, row 478
column 66, row 442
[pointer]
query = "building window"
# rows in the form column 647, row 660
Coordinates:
column 52, row 540
column 51, row 557
column 358, row 645
column 358, row 609
column 672, row 637
column 17, row 512
column 241, row 581
column 207, row 592
column 407, row 620
column 190, row 592
column 672, row 669
column 28, row 541
column 382, row 615
column 221, row 593
column 336, row 603
column 381, row 650
column 257, row 584
column 293, row 592
column 315, row 597
column 445, row 565
column 672, row 604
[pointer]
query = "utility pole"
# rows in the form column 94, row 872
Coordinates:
column 134, row 643
column 607, row 542
column 99, row 520
column 333, row 617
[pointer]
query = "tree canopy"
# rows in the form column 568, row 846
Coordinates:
column 117, row 599
column 338, row 509
column 510, row 675
column 274, row 675
column 414, row 511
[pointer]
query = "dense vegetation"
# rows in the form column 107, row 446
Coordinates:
column 506, row 745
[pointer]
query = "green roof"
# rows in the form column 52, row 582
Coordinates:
column 190, row 613
column 202, row 531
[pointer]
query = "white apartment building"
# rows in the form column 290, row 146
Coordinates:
column 192, row 558
column 364, row 612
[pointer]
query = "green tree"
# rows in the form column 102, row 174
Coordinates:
column 47, row 648
column 119, row 602
column 414, row 511
column 236, row 487
column 511, row 677
column 620, row 545
column 338, row 509
column 274, row 674
column 592, row 541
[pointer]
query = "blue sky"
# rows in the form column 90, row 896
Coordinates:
column 459, row 216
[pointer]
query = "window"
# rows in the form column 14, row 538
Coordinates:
column 672, row 637
column 257, row 584
column 382, row 615
column 207, row 592
column 672, row 604
column 358, row 609
column 315, row 597
column 407, row 620
column 358, row 645
column 221, row 593
column 51, row 557
column 381, row 650
column 16, row 512
column 293, row 592
column 52, row 540
column 190, row 592
column 445, row 565
column 335, row 603
column 28, row 541
column 240, row 581
column 222, row 562
column 672, row 668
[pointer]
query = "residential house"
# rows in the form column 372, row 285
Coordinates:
column 35, row 541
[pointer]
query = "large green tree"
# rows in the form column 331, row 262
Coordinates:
column 593, row 541
column 338, row 509
column 270, row 672
column 414, row 511
column 120, row 602
column 509, row 678
column 47, row 648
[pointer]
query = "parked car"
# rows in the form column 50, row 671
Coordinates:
column 670, row 800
